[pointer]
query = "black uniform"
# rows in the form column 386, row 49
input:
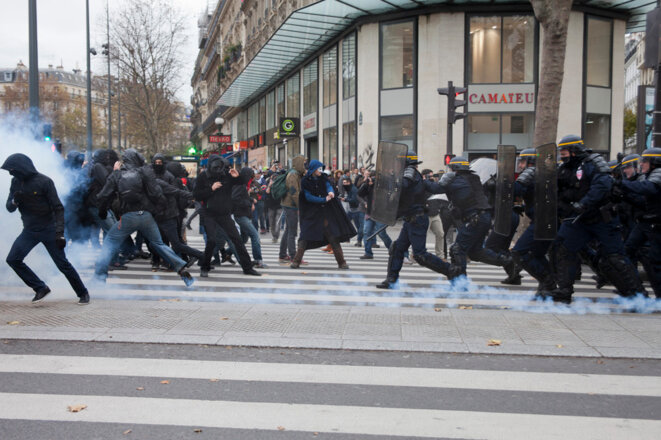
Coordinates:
column 43, row 222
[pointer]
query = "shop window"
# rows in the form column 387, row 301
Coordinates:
column 293, row 96
column 279, row 103
column 349, row 145
column 487, row 131
column 262, row 115
column 502, row 49
column 270, row 110
column 597, row 132
column 330, row 148
column 329, row 70
column 398, row 129
column 349, row 67
column 397, row 54
column 310, row 91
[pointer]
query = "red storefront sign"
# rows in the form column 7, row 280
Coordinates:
column 220, row 139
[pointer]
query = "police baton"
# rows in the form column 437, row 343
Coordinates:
column 378, row 231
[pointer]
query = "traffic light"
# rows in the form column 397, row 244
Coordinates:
column 448, row 158
column 47, row 131
column 192, row 151
column 453, row 93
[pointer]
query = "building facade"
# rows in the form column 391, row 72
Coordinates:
column 349, row 76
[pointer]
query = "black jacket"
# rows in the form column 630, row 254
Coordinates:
column 146, row 195
column 241, row 200
column 99, row 169
column 171, row 191
column 218, row 202
column 34, row 195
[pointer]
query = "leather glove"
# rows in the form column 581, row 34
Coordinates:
column 519, row 209
column 409, row 173
column 578, row 207
column 60, row 241
column 103, row 214
column 19, row 196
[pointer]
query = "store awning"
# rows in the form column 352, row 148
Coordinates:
column 308, row 29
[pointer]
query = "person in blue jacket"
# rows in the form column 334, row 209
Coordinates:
column 35, row 196
column 323, row 221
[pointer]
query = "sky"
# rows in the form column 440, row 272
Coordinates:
column 62, row 36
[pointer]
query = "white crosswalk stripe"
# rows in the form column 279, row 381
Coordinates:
column 227, row 411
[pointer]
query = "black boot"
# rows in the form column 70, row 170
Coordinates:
column 392, row 276
column 622, row 275
column 458, row 261
column 543, row 274
column 513, row 271
column 566, row 263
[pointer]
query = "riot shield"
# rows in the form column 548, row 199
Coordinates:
column 390, row 164
column 546, row 192
column 504, row 189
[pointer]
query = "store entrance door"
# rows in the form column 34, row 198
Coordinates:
column 312, row 148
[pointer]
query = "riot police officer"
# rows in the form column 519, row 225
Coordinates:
column 528, row 252
column 649, row 223
column 414, row 231
column 471, row 209
column 584, row 188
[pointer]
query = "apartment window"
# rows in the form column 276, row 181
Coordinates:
column 349, row 152
column 293, row 96
column 398, row 129
column 329, row 71
column 397, row 54
column 349, row 67
column 310, row 91
column 502, row 49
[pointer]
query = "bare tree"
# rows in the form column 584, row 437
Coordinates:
column 145, row 40
column 553, row 16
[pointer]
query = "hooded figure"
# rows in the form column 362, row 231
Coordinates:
column 76, row 219
column 214, row 189
column 323, row 220
column 43, row 222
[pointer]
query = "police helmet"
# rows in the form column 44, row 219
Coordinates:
column 631, row 160
column 653, row 156
column 459, row 163
column 412, row 158
column 573, row 143
column 612, row 164
column 528, row 156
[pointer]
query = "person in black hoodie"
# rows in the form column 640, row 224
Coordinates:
column 242, row 206
column 139, row 195
column 43, row 222
column 214, row 189
column 167, row 216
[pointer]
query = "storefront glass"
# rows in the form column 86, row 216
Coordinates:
column 293, row 96
column 598, row 60
column 270, row 110
column 349, row 66
column 486, row 132
column 329, row 69
column 310, row 88
column 330, row 148
column 398, row 129
column 349, row 145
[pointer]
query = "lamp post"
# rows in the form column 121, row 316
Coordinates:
column 33, row 73
column 107, row 52
column 90, row 51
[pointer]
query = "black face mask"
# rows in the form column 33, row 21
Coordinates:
column 565, row 159
column 347, row 187
column 159, row 169
column 216, row 170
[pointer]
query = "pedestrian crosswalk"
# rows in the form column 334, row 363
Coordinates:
column 321, row 282
column 127, row 394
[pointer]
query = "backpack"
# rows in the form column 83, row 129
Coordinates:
column 129, row 186
column 279, row 187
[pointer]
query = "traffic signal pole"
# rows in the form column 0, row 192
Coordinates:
column 33, row 74
column 453, row 103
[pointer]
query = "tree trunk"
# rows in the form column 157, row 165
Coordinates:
column 553, row 17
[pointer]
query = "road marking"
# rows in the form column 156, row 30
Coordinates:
column 339, row 374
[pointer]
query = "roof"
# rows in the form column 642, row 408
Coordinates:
column 310, row 28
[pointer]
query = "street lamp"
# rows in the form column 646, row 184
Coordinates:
column 92, row 51
column 219, row 122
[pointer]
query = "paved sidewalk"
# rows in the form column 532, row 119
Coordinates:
column 336, row 327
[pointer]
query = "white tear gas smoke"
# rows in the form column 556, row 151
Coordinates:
column 16, row 137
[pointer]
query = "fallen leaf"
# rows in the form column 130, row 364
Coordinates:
column 599, row 361
column 493, row 342
column 128, row 431
column 76, row 408
column 315, row 433
column 198, row 430
column 504, row 307
column 559, row 345
column 224, row 318
column 228, row 347
column 165, row 382
column 14, row 322
column 304, row 273
column 214, row 380
column 140, row 388
column 281, row 428
column 437, row 309
column 465, row 307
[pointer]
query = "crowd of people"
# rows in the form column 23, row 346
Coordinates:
column 608, row 216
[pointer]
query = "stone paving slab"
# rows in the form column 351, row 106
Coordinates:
column 336, row 327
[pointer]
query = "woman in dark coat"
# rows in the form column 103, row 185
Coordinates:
column 323, row 220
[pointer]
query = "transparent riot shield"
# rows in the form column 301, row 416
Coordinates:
column 504, row 189
column 546, row 192
column 390, row 164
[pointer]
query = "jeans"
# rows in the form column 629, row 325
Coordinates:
column 211, row 225
column 22, row 246
column 258, row 218
column 288, row 242
column 370, row 227
column 358, row 219
column 143, row 222
column 274, row 221
column 249, row 231
column 170, row 228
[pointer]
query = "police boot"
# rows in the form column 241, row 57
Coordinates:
column 392, row 276
column 543, row 275
column 339, row 256
column 622, row 275
column 458, row 261
column 434, row 263
column 565, row 265
column 513, row 273
column 296, row 262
